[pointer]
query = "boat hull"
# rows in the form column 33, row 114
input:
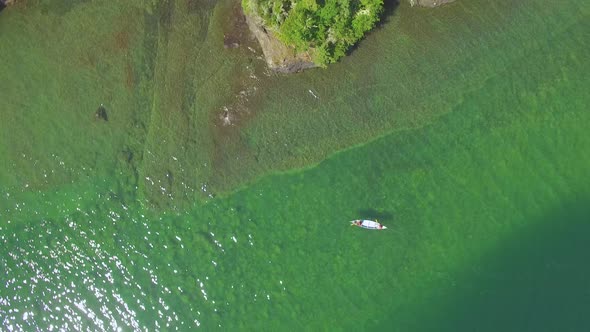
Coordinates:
column 368, row 224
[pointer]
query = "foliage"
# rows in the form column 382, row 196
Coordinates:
column 328, row 28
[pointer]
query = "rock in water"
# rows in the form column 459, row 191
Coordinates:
column 101, row 113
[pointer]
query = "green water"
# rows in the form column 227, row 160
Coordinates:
column 463, row 129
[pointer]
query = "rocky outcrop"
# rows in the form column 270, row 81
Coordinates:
column 429, row 3
column 283, row 58
column 279, row 57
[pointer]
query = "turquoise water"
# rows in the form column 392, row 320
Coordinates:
column 486, row 196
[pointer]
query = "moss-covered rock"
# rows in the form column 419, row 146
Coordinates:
column 279, row 56
column 322, row 31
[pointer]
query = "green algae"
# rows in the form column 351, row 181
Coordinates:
column 491, row 165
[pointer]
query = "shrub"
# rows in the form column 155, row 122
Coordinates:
column 328, row 27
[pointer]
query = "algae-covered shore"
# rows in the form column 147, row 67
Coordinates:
column 189, row 118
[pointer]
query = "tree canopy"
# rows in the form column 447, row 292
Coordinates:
column 328, row 28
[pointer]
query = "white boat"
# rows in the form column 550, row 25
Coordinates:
column 368, row 224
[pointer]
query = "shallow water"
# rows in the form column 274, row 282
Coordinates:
column 477, row 162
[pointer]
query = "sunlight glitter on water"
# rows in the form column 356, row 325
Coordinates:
column 94, row 262
column 107, row 266
column 65, row 277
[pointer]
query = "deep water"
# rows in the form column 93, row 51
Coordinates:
column 462, row 128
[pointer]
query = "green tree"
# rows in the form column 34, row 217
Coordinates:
column 327, row 28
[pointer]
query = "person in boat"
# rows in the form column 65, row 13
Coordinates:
column 359, row 222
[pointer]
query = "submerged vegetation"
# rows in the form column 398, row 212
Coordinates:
column 325, row 28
